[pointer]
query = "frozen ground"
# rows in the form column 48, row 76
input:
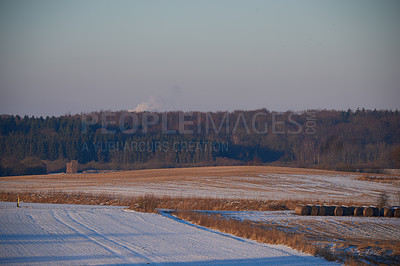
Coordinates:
column 368, row 228
column 236, row 182
column 49, row 234
column 371, row 239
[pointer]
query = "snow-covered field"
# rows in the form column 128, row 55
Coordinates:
column 234, row 182
column 49, row 234
column 372, row 228
column 371, row 239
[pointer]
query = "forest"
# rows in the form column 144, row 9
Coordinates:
column 353, row 140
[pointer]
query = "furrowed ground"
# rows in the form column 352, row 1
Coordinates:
column 233, row 182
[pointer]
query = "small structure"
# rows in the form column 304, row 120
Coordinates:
column 72, row 167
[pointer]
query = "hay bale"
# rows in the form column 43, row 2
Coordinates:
column 321, row 210
column 371, row 211
column 339, row 211
column 358, row 211
column 313, row 210
column 368, row 211
column 330, row 210
column 301, row 210
column 387, row 212
column 396, row 212
column 376, row 211
column 348, row 211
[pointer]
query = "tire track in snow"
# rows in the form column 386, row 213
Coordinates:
column 169, row 216
column 50, row 234
column 138, row 250
column 99, row 239
column 184, row 236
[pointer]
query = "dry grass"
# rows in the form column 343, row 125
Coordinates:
column 379, row 178
column 174, row 174
column 305, row 242
column 178, row 173
column 244, row 182
column 65, row 198
column 264, row 233
column 150, row 203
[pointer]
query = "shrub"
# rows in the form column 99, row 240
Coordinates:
column 56, row 166
column 383, row 200
column 11, row 166
column 34, row 166
column 397, row 198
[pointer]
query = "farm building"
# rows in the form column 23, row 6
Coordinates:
column 72, row 167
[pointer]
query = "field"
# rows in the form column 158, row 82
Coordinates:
column 366, row 239
column 222, row 189
column 237, row 182
column 51, row 234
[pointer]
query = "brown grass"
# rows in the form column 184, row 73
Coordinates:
column 259, row 182
column 264, row 233
column 65, row 198
column 75, row 181
column 192, row 203
column 379, row 178
column 169, row 174
column 150, row 203
column 304, row 242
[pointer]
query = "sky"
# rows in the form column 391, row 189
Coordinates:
column 59, row 57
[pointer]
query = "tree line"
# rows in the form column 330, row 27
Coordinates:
column 352, row 140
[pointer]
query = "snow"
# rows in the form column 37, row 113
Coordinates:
column 277, row 216
column 51, row 234
column 374, row 228
column 260, row 183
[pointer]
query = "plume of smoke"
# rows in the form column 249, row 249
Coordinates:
column 152, row 105
column 156, row 103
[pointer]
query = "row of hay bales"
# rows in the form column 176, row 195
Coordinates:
column 367, row 211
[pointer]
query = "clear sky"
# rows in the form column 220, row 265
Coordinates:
column 59, row 57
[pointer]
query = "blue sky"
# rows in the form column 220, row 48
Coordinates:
column 60, row 57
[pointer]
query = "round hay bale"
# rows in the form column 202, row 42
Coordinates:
column 388, row 212
column 348, row 211
column 301, row 210
column 321, row 210
column 396, row 213
column 330, row 210
column 339, row 211
column 376, row 211
column 313, row 210
column 344, row 210
column 371, row 211
column 358, row 211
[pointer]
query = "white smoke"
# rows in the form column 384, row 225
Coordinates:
column 156, row 103
column 152, row 105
